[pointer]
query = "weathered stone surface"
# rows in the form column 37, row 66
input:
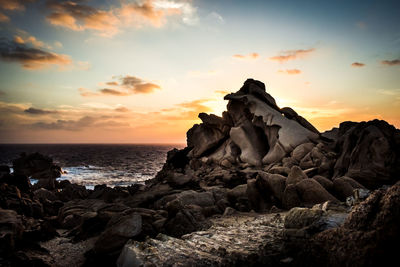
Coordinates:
column 300, row 151
column 300, row 217
column 325, row 182
column 273, row 184
column 344, row 187
column 296, row 175
column 291, row 198
column 190, row 197
column 368, row 153
column 279, row 170
column 367, row 238
column 311, row 192
column 239, row 240
column 255, row 124
column 257, row 199
column 118, row 230
column 11, row 230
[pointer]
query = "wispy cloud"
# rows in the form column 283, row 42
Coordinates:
column 249, row 56
column 38, row 111
column 14, row 5
column 389, row 92
column 292, row 55
column 29, row 57
column 290, row 71
column 126, row 85
column 22, row 37
column 357, row 64
column 107, row 22
column 393, row 62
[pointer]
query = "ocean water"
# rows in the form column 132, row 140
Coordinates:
column 94, row 164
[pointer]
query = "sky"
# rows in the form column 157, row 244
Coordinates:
column 140, row 71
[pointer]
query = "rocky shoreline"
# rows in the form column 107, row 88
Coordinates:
column 257, row 186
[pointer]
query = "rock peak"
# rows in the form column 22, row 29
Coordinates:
column 253, row 130
column 257, row 89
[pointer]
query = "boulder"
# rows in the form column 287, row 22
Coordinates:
column 73, row 191
column 368, row 153
column 311, row 192
column 291, row 198
column 189, row 197
column 118, row 231
column 279, row 170
column 344, row 187
column 296, row 175
column 11, row 230
column 36, row 166
column 298, row 218
column 44, row 194
column 256, row 199
column 368, row 237
column 325, row 182
column 300, row 151
column 186, row 220
column 272, row 184
column 204, row 139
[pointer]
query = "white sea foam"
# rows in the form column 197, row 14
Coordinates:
column 95, row 175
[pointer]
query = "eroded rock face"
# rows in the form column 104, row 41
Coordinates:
column 224, row 244
column 260, row 131
column 369, row 153
column 368, row 237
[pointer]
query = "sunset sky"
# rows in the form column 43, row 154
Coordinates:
column 128, row 71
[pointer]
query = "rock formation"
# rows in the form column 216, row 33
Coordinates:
column 223, row 200
column 254, row 130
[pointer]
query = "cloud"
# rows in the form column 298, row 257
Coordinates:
column 24, row 38
column 389, row 92
column 394, row 62
column 4, row 18
column 127, row 85
column 37, row 111
column 107, row 91
column 79, row 17
column 122, row 109
column 138, row 86
column 31, row 58
column 290, row 71
column 357, row 64
column 222, row 92
column 112, row 83
column 69, row 125
column 14, row 5
column 292, row 55
column 249, row 56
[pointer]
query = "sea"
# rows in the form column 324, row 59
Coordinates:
column 95, row 164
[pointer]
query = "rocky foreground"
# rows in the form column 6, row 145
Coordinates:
column 257, row 186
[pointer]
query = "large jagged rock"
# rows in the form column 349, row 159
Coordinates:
column 36, row 166
column 369, row 152
column 368, row 237
column 262, row 132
